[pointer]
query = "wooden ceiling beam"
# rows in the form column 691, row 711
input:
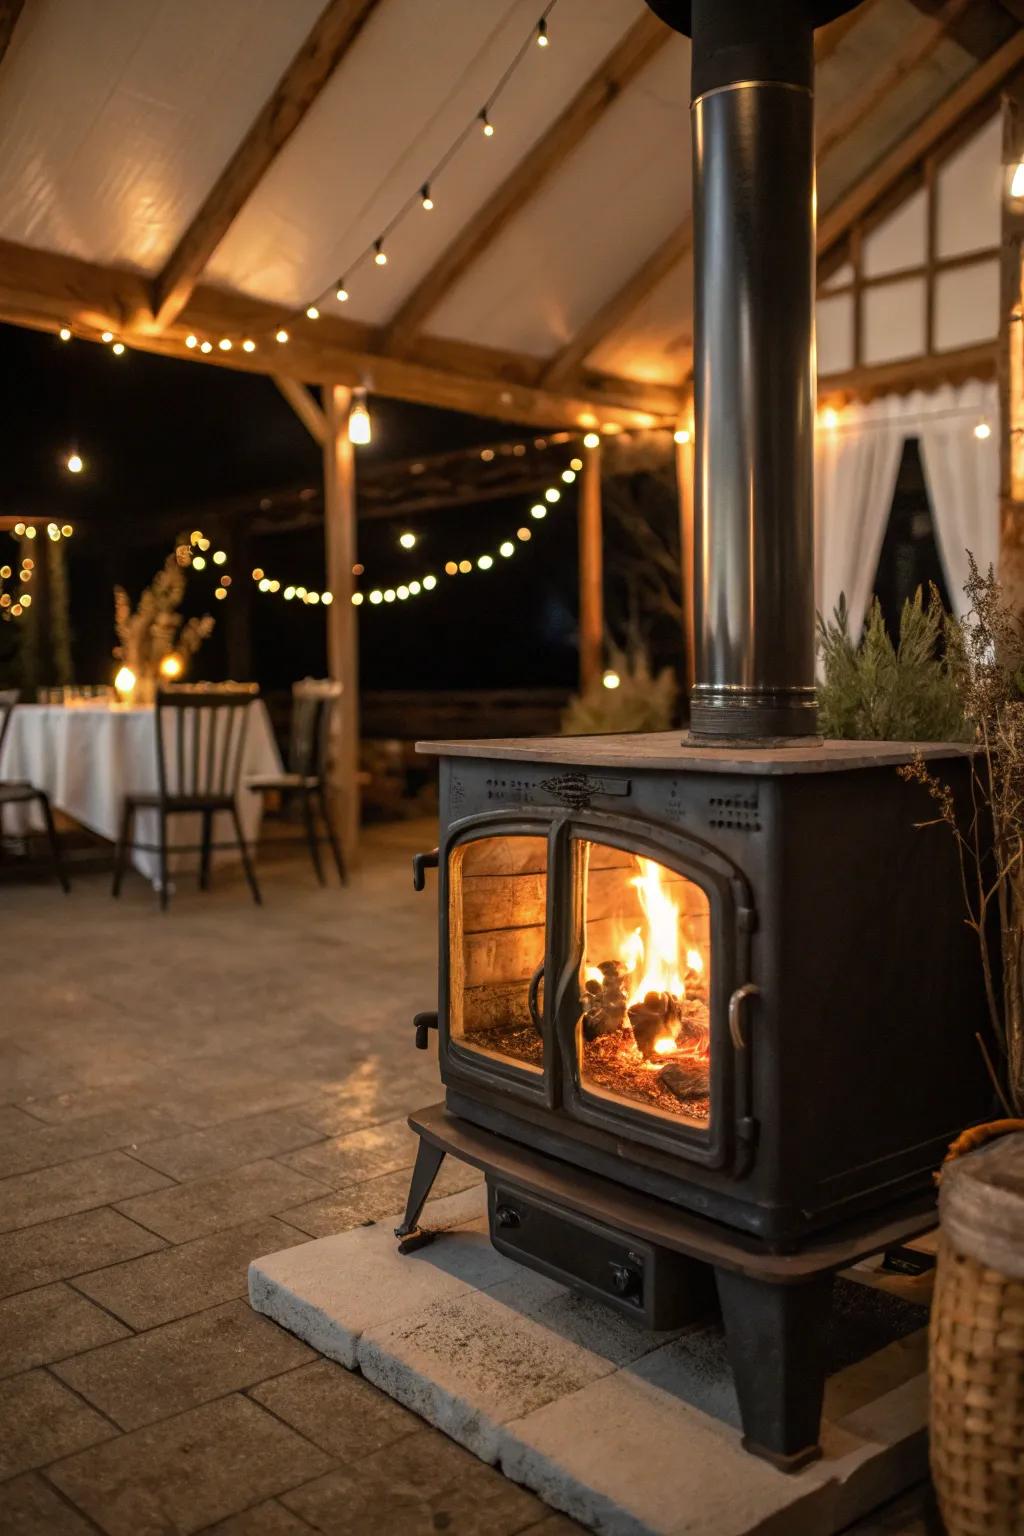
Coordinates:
column 309, row 412
column 635, row 50
column 334, row 33
column 44, row 291
column 919, row 142
column 567, row 362
column 10, row 10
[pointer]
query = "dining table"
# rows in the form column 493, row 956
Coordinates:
column 88, row 755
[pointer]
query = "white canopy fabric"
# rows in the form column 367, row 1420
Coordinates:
column 117, row 117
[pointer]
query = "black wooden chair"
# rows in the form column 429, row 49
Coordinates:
column 21, row 792
column 313, row 701
column 200, row 741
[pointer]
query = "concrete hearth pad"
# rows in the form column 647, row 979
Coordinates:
column 633, row 1433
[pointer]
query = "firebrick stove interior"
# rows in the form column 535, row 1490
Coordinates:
column 707, row 1005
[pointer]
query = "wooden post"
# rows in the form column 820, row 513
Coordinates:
column 591, row 600
column 342, row 633
column 1011, row 358
column 687, row 556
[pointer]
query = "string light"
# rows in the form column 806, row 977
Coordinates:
column 611, row 679
column 507, row 549
column 248, row 345
column 64, row 333
column 426, row 201
column 429, row 583
column 552, row 494
column 357, row 599
column 1017, row 182
column 568, row 475
column 485, row 562
column 379, row 254
column 171, row 666
column 407, row 540
column 342, row 293
column 220, row 592
column 206, row 346
column 281, row 335
column 376, row 596
column 538, row 510
column 312, row 313
column 225, row 343
column 199, row 563
column 191, row 341
column 74, row 464
column 982, row 431
column 576, row 464
column 542, row 33
column 592, row 440
column 830, row 417
column 360, row 428
column 465, row 566
column 488, row 126
column 219, row 557
column 524, row 535
column 681, row 435
column 117, row 348
column 107, row 337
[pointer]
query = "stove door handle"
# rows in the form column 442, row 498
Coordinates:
column 736, row 1002
column 421, row 862
column 532, row 998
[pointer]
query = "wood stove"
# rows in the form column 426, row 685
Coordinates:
column 707, row 1005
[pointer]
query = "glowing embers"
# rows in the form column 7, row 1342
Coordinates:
column 645, row 1030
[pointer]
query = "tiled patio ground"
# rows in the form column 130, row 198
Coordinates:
column 178, row 1095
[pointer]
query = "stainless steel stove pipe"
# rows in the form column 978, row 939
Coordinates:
column 754, row 388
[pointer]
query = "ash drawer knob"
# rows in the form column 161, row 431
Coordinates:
column 626, row 1281
column 506, row 1216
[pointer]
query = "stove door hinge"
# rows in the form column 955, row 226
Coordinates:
column 421, row 862
column 423, row 1023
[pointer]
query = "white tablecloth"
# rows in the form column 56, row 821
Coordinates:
column 88, row 758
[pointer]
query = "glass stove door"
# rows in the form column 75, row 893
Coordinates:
column 644, row 1039
column 497, row 916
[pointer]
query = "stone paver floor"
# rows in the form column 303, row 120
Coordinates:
column 178, row 1095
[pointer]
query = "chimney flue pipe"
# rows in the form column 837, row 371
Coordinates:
column 754, row 388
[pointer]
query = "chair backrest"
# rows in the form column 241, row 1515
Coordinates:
column 200, row 740
column 312, row 702
column 8, row 699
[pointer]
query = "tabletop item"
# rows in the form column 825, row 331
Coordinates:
column 88, row 759
column 313, row 703
column 22, row 792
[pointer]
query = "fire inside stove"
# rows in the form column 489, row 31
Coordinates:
column 645, row 1031
column 643, row 1036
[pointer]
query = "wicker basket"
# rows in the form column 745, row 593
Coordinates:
column 977, row 1344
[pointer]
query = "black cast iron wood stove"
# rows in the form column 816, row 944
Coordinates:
column 707, row 1005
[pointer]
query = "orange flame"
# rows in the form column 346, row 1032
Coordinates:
column 658, row 951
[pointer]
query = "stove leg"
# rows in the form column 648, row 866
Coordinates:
column 428, row 1165
column 776, row 1338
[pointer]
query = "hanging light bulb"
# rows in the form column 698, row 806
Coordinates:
column 360, row 429
column 568, row 475
column 206, row 346
column 611, row 678
column 107, row 336
column 191, row 341
column 281, row 336
column 506, row 549
column 248, row 345
column 1017, row 182
column 379, row 254
column 465, row 566
column 414, row 589
column 407, row 540
column 552, row 494
column 64, row 333
column 576, row 464
column 451, row 567
column 542, row 33
column 357, row 599
column 117, row 348
column 487, row 125
column 429, row 583
column 342, row 293
column 225, row 343
column 485, row 562
column 312, row 313
column 74, row 463
column 376, row 596
column 982, row 431
column 592, row 440
column 538, row 510
column 426, row 201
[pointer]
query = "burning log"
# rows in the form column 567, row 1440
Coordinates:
column 656, row 1021
column 687, row 1078
column 605, row 1001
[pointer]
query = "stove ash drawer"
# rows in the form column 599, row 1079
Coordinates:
column 654, row 1286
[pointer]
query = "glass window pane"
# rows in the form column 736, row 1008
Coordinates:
column 497, row 910
column 645, row 1033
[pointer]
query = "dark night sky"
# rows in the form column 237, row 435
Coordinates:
column 160, row 435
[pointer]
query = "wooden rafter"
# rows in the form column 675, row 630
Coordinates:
column 619, row 307
column 336, row 29
column 640, row 44
column 914, row 146
column 305, row 407
column 10, row 10
column 567, row 362
column 916, row 51
column 43, row 290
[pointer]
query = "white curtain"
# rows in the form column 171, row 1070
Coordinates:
column 857, row 459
